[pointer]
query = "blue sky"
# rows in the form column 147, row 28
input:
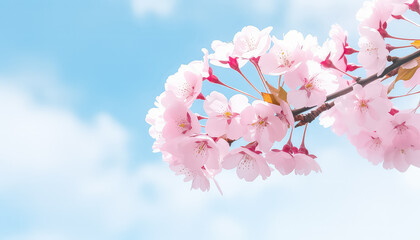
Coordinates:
column 76, row 81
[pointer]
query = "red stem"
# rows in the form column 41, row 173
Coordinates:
column 240, row 72
column 249, row 95
column 261, row 75
column 405, row 95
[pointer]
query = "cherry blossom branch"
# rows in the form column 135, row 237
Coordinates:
column 309, row 117
column 365, row 81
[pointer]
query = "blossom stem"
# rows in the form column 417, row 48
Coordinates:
column 282, row 83
column 398, row 38
column 291, row 133
column 405, row 95
column 249, row 95
column 353, row 77
column 240, row 72
column 415, row 109
column 412, row 89
column 304, row 134
column 390, row 48
column 365, row 81
column 260, row 73
column 217, row 185
column 410, row 21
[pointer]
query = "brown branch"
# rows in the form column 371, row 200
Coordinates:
column 396, row 64
column 309, row 117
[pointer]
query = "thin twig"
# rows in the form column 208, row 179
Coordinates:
column 365, row 81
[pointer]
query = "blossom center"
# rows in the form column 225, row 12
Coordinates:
column 228, row 114
column 261, row 122
column 401, row 128
column 363, row 105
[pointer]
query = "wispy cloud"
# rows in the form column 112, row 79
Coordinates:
column 65, row 177
column 161, row 8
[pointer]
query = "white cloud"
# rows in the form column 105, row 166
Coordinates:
column 162, row 8
column 320, row 15
column 262, row 6
column 63, row 177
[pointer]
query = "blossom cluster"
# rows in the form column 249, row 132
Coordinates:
column 379, row 131
column 244, row 132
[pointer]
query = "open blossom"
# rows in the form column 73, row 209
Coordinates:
column 314, row 85
column 186, row 83
column 373, row 51
column 374, row 14
column 222, row 52
column 224, row 116
column 367, row 105
column 401, row 158
column 179, row 121
column 199, row 177
column 283, row 161
column 197, row 151
column 305, row 164
column 371, row 145
column 403, row 129
column 249, row 163
column 334, row 51
column 290, row 159
column 285, row 55
column 251, row 42
column 263, row 125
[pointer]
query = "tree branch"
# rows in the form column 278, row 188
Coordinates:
column 396, row 64
column 309, row 117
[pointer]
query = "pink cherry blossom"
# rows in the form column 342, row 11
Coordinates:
column 291, row 158
column 314, row 85
column 401, row 158
column 336, row 119
column 224, row 116
column 195, row 152
column 248, row 162
column 222, row 52
column 283, row 161
column 263, row 125
column 375, row 13
column 305, row 164
column 373, row 51
column 403, row 129
column 155, row 119
column 198, row 177
column 179, row 121
column 284, row 113
column 370, row 145
column 251, row 42
column 365, row 106
column 285, row 55
column 186, row 83
column 336, row 48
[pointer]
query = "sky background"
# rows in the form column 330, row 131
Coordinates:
column 76, row 81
